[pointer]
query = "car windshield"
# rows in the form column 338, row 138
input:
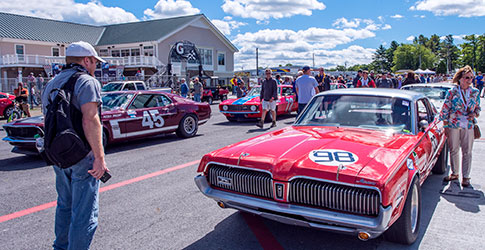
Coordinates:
column 371, row 112
column 256, row 91
column 434, row 93
column 115, row 101
column 112, row 86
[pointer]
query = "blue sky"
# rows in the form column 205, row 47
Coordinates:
column 286, row 31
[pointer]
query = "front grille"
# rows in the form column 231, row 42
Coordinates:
column 239, row 107
column 23, row 132
column 241, row 180
column 334, row 196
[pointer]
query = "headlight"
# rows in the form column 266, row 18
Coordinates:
column 225, row 107
column 253, row 108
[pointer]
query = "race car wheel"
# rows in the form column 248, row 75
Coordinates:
column 405, row 230
column 442, row 162
column 14, row 115
column 231, row 119
column 188, row 126
column 210, row 100
column 105, row 139
column 8, row 111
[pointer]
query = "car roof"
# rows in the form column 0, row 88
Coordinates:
column 437, row 85
column 124, row 82
column 138, row 92
column 403, row 94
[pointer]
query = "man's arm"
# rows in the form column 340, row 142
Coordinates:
column 93, row 132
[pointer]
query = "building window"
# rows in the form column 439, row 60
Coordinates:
column 125, row 52
column 103, row 52
column 55, row 51
column 115, row 53
column 148, row 50
column 135, row 52
column 206, row 56
column 221, row 59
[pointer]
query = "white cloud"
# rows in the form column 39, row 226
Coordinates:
column 397, row 16
column 170, row 8
column 262, row 22
column 266, row 9
column 356, row 22
column 461, row 8
column 282, row 46
column 93, row 12
column 410, row 38
column 227, row 25
column 455, row 37
column 386, row 27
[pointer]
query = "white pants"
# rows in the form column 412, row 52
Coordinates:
column 463, row 138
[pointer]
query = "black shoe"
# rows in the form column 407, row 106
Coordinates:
column 273, row 124
column 259, row 124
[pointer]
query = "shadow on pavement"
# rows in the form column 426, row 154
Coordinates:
column 467, row 199
column 22, row 162
column 226, row 233
column 145, row 142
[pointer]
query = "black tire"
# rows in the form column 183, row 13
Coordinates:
column 105, row 139
column 231, row 119
column 442, row 162
column 402, row 230
column 14, row 115
column 8, row 111
column 188, row 126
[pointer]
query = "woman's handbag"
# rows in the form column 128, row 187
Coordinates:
column 476, row 131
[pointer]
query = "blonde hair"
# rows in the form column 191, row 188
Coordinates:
column 459, row 74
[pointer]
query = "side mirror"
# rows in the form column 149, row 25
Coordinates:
column 423, row 125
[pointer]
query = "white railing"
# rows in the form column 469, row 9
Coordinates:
column 47, row 60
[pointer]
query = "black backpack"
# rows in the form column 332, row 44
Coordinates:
column 64, row 141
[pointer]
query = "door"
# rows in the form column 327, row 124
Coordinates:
column 428, row 142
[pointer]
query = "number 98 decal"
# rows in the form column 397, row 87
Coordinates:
column 333, row 157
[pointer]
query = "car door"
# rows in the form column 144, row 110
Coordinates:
column 289, row 96
column 168, row 110
column 145, row 116
column 428, row 140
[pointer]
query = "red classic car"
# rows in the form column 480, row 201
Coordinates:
column 6, row 104
column 353, row 162
column 250, row 105
column 126, row 115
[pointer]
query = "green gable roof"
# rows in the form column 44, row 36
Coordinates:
column 39, row 29
column 143, row 31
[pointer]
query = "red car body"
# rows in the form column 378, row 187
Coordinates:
column 250, row 105
column 6, row 104
column 352, row 180
column 144, row 114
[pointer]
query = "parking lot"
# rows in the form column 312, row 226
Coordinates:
column 152, row 202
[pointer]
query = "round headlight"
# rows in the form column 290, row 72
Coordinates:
column 225, row 107
column 253, row 108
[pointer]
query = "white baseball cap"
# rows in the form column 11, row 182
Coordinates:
column 82, row 49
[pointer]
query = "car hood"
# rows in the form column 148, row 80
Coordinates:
column 290, row 152
column 247, row 100
column 36, row 120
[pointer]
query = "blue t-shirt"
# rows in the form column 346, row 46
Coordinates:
column 306, row 88
column 479, row 80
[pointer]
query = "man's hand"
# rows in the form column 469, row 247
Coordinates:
column 99, row 167
column 471, row 116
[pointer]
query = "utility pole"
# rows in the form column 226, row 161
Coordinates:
column 313, row 54
column 257, row 66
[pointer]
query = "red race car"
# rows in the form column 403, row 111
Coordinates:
column 126, row 115
column 250, row 105
column 6, row 104
column 353, row 162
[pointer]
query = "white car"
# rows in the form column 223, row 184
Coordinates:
column 436, row 92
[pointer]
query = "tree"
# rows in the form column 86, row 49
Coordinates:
column 422, row 40
column 481, row 53
column 340, row 68
column 409, row 56
column 469, row 51
column 381, row 62
column 390, row 53
column 450, row 53
column 433, row 44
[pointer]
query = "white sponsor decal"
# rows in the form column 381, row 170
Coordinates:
column 333, row 157
column 152, row 118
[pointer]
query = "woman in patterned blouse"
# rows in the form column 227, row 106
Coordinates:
column 459, row 112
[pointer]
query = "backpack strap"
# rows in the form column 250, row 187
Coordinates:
column 71, row 83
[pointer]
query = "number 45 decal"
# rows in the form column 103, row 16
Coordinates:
column 152, row 118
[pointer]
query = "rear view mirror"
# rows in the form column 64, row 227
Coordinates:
column 423, row 125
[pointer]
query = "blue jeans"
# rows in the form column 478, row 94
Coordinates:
column 301, row 106
column 197, row 97
column 77, row 205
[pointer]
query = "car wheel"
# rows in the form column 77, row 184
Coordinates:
column 210, row 100
column 405, row 230
column 188, row 126
column 105, row 139
column 14, row 115
column 8, row 111
column 442, row 162
column 231, row 119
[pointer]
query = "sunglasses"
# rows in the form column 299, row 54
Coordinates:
column 468, row 77
column 267, row 72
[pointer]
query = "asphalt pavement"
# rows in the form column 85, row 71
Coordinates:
column 151, row 202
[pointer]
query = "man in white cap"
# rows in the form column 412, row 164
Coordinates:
column 78, row 186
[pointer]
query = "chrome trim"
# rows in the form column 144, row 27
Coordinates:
column 240, row 112
column 9, row 139
column 234, row 166
column 339, row 183
column 312, row 217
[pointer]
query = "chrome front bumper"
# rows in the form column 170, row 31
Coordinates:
column 300, row 215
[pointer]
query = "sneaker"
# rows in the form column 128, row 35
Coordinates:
column 259, row 124
column 273, row 124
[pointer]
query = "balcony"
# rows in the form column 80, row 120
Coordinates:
column 40, row 61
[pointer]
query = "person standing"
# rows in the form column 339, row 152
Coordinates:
column 459, row 112
column 31, row 82
column 357, row 78
column 198, row 89
column 184, row 88
column 410, row 79
column 77, row 186
column 268, row 97
column 306, row 87
column 365, row 81
column 479, row 82
column 320, row 78
column 40, row 83
column 383, row 82
column 22, row 97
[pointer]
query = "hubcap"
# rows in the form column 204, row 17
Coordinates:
column 189, row 125
column 414, row 209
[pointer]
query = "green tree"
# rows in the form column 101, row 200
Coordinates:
column 481, row 53
column 422, row 40
column 434, row 44
column 469, row 51
column 409, row 56
column 390, row 53
column 381, row 62
column 450, row 53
